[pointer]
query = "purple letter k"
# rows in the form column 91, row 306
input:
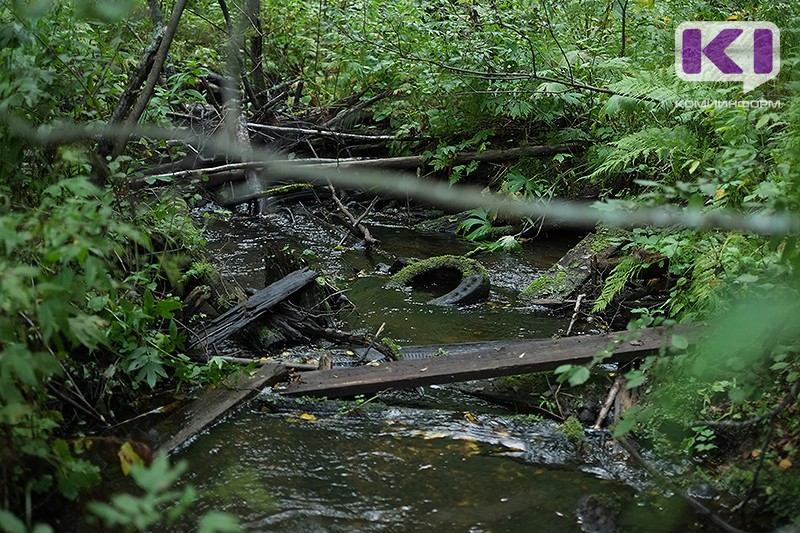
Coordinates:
column 715, row 51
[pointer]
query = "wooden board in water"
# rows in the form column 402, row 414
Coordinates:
column 481, row 361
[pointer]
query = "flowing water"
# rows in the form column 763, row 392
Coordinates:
column 457, row 464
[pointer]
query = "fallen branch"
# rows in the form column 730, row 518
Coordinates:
column 487, row 156
column 327, row 133
column 354, row 225
column 338, row 119
column 575, row 314
column 612, row 394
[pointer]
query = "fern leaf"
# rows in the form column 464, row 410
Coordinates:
column 626, row 270
column 660, row 144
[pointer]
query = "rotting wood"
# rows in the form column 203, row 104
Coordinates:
column 212, row 405
column 239, row 316
column 480, row 361
column 561, row 280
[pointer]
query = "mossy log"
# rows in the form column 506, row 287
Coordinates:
column 562, row 280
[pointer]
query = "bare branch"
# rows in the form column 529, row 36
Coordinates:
column 403, row 185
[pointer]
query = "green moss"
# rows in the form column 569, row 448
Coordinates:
column 573, row 429
column 267, row 336
column 393, row 347
column 605, row 237
column 529, row 418
column 547, row 284
column 283, row 189
column 525, row 384
column 467, row 267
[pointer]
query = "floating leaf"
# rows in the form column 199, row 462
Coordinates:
column 308, row 417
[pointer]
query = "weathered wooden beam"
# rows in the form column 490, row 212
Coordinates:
column 239, row 316
column 479, row 361
column 211, row 405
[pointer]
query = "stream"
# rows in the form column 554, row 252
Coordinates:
column 417, row 460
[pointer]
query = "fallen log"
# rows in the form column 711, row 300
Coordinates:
column 239, row 316
column 479, row 361
column 237, row 193
column 327, row 133
column 563, row 279
column 211, row 405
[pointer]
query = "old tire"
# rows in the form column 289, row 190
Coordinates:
column 473, row 287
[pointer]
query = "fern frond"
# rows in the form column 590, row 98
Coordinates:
column 660, row 144
column 658, row 85
column 626, row 270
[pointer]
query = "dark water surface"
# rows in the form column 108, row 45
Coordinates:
column 457, row 466
column 238, row 246
column 404, row 469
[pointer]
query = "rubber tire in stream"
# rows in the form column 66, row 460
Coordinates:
column 474, row 285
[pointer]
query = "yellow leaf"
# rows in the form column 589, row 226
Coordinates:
column 128, row 457
column 755, row 453
column 469, row 417
column 720, row 193
column 785, row 463
column 308, row 417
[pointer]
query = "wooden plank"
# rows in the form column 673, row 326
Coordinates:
column 213, row 404
column 480, row 361
column 239, row 316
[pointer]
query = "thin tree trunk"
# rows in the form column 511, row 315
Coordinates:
column 152, row 78
column 257, row 49
column 128, row 97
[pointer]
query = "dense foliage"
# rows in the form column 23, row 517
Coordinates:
column 92, row 274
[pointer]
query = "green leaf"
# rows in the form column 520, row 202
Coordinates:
column 635, row 378
column 628, row 421
column 580, row 376
column 10, row 523
column 680, row 342
column 219, row 522
column 737, row 395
